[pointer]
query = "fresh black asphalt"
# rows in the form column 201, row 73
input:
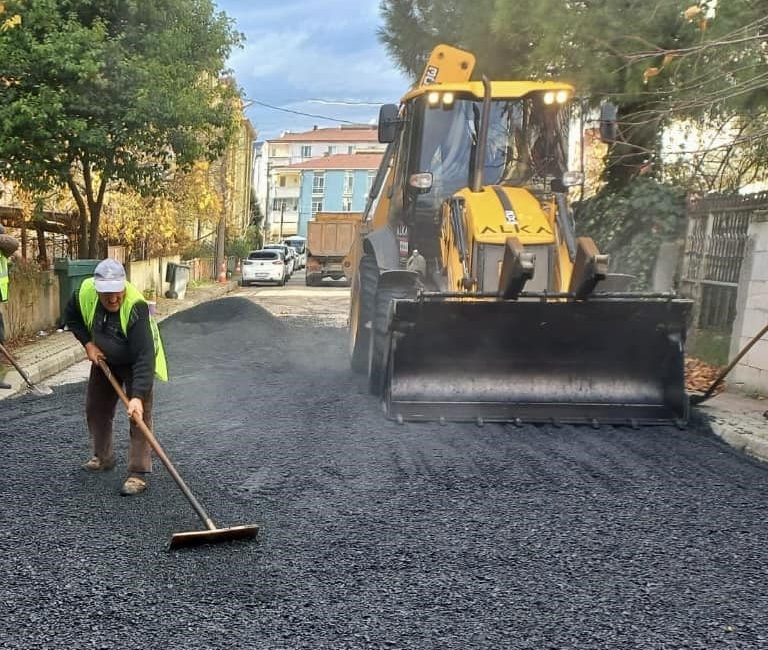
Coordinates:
column 373, row 534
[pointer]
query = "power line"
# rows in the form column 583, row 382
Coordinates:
column 288, row 110
column 343, row 102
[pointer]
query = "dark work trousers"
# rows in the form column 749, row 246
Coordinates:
column 100, row 402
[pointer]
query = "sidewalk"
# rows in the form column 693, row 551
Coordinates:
column 739, row 420
column 50, row 354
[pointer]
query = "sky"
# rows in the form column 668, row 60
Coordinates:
column 320, row 57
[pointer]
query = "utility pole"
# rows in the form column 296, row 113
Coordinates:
column 221, row 235
column 282, row 215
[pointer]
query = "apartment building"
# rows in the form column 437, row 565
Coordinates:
column 336, row 183
column 279, row 181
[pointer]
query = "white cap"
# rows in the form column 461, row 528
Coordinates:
column 109, row 276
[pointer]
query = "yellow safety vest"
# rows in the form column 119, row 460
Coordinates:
column 3, row 278
column 88, row 298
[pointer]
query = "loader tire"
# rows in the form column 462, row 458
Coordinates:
column 377, row 369
column 368, row 277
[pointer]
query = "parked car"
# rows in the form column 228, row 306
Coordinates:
column 264, row 266
column 299, row 244
column 288, row 252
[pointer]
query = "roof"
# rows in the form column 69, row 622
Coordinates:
column 353, row 133
column 342, row 161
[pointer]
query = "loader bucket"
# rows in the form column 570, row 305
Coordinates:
column 604, row 360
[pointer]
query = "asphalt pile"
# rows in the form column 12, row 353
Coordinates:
column 373, row 534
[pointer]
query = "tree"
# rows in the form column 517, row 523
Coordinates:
column 112, row 94
column 657, row 61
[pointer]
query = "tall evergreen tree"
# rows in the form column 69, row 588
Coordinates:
column 655, row 60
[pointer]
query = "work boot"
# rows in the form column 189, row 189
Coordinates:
column 134, row 484
column 96, row 464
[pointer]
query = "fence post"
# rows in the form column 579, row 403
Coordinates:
column 752, row 310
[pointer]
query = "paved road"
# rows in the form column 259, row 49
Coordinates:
column 373, row 535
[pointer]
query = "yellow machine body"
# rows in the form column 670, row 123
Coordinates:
column 473, row 299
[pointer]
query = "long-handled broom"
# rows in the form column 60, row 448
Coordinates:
column 213, row 533
column 37, row 389
column 698, row 399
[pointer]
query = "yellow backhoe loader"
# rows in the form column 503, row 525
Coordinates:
column 473, row 299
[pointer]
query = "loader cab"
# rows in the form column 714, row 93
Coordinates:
column 526, row 146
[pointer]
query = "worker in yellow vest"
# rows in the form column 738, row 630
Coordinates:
column 110, row 317
column 8, row 246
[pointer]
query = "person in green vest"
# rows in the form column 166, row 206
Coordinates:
column 8, row 246
column 110, row 317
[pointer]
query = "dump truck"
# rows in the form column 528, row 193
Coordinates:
column 330, row 238
column 473, row 298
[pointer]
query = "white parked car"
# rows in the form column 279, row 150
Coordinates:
column 264, row 266
column 299, row 244
column 289, row 254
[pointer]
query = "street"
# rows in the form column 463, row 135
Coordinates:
column 372, row 534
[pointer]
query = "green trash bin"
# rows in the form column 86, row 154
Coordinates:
column 71, row 274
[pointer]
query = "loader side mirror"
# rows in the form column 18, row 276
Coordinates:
column 388, row 123
column 609, row 128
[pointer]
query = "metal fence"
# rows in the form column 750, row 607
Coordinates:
column 714, row 251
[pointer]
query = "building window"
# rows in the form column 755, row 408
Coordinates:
column 282, row 181
column 306, row 151
column 317, row 206
column 371, row 178
column 351, row 149
column 346, row 204
column 275, row 204
column 349, row 182
column 318, row 183
column 331, row 149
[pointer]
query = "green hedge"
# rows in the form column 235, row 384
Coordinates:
column 630, row 225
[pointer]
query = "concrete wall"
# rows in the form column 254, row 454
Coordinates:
column 751, row 373
column 150, row 274
column 33, row 304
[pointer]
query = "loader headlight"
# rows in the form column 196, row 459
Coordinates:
column 571, row 179
column 560, row 96
column 421, row 181
column 435, row 98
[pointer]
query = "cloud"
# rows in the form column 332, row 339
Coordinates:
column 299, row 52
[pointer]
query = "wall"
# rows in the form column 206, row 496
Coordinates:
column 150, row 274
column 751, row 373
column 33, row 303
